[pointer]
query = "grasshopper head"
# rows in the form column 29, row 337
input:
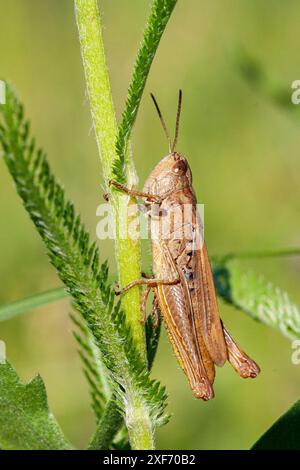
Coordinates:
column 170, row 174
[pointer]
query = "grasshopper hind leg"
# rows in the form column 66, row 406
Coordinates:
column 242, row 364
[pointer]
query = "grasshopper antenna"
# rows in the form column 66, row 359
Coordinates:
column 177, row 121
column 162, row 121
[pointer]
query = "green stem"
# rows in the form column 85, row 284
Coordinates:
column 104, row 120
column 140, row 428
column 106, row 130
column 138, row 423
column 23, row 306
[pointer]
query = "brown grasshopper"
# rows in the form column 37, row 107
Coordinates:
column 183, row 281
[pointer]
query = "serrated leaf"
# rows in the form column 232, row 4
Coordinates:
column 284, row 434
column 160, row 14
column 77, row 263
column 258, row 297
column 26, row 423
column 93, row 367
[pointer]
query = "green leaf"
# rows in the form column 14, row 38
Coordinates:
column 77, row 263
column 257, row 297
column 93, row 368
column 152, row 338
column 110, row 423
column 160, row 13
column 20, row 307
column 284, row 434
column 26, row 422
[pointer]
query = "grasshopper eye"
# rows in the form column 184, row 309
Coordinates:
column 180, row 167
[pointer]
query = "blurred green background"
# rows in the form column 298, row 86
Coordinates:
column 244, row 153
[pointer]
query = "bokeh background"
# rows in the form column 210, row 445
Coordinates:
column 244, row 153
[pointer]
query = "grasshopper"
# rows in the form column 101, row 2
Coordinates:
column 183, row 281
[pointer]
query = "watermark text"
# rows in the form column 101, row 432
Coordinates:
column 2, row 352
column 2, row 92
column 157, row 222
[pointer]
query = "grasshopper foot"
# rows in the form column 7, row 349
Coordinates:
column 117, row 290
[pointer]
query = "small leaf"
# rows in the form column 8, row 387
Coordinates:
column 26, row 422
column 284, row 434
column 152, row 338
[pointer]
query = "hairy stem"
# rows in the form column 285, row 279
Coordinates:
column 139, row 427
column 104, row 120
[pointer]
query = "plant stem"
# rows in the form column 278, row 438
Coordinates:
column 106, row 130
column 138, row 420
column 139, row 425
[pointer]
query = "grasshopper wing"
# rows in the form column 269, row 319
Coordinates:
column 195, row 265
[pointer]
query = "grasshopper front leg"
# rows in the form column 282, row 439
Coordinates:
column 152, row 282
column 134, row 192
